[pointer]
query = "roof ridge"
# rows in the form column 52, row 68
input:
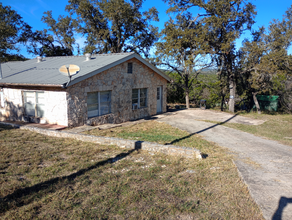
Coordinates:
column 103, row 54
column 112, row 54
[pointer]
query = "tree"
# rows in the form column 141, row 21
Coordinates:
column 265, row 61
column 13, row 31
column 181, row 50
column 175, row 93
column 58, row 40
column 223, row 21
column 254, row 75
column 115, row 25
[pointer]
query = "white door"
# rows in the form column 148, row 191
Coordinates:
column 159, row 99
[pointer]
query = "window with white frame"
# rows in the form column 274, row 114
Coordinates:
column 139, row 98
column 98, row 103
column 2, row 103
column 34, row 103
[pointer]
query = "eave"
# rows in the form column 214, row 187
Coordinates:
column 33, row 86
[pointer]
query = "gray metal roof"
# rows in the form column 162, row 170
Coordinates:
column 31, row 72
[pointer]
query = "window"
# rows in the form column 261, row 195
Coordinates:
column 98, row 103
column 1, row 98
column 34, row 104
column 139, row 98
column 130, row 67
column 158, row 93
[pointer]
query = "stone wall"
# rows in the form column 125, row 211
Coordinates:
column 129, row 144
column 120, row 83
column 55, row 107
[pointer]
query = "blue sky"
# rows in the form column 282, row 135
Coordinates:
column 32, row 12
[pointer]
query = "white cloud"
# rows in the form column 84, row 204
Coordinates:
column 21, row 8
column 43, row 4
column 33, row 9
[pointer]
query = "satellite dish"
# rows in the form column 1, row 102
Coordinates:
column 69, row 70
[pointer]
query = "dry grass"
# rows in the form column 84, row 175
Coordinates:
column 276, row 127
column 44, row 177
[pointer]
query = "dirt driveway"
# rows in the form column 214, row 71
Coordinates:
column 265, row 165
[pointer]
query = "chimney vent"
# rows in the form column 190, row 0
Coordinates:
column 39, row 59
column 88, row 56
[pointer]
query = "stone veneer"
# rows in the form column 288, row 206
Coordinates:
column 120, row 83
column 69, row 107
column 55, row 107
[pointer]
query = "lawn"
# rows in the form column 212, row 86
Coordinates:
column 45, row 177
column 153, row 131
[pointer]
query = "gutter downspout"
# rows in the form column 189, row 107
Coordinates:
column 0, row 71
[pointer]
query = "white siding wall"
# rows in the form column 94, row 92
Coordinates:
column 55, row 106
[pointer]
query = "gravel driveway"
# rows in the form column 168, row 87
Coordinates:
column 265, row 165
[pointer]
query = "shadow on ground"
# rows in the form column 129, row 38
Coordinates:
column 283, row 202
column 198, row 132
column 5, row 127
column 25, row 196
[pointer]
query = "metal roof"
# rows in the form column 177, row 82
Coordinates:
column 46, row 72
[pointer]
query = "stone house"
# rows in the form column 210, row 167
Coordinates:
column 108, row 88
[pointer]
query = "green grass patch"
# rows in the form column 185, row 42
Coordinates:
column 153, row 131
column 44, row 177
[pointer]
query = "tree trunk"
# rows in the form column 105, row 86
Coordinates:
column 187, row 89
column 222, row 101
column 254, row 95
column 232, row 86
column 187, row 99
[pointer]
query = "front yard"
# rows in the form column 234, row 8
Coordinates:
column 44, row 177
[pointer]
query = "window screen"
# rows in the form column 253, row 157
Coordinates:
column 92, row 104
column 139, row 97
column 143, row 98
column 105, row 103
column 34, row 103
column 98, row 103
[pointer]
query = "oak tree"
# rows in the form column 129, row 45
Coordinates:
column 224, row 21
column 57, row 40
column 13, row 32
column 115, row 25
column 265, row 60
column 181, row 50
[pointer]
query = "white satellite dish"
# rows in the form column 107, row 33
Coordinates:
column 69, row 69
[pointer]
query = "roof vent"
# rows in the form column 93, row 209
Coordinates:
column 39, row 59
column 88, row 56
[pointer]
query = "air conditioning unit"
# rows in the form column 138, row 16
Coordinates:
column 135, row 106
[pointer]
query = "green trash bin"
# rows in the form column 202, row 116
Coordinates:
column 268, row 102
